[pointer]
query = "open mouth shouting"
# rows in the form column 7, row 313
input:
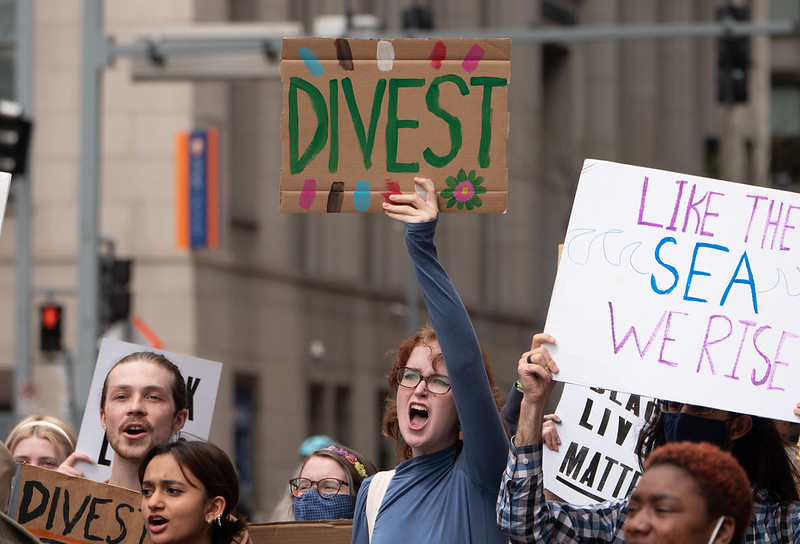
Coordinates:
column 417, row 416
column 134, row 431
column 156, row 524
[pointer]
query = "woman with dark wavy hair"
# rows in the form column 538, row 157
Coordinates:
column 443, row 414
column 189, row 494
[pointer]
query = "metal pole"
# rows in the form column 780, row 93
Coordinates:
column 21, row 185
column 95, row 51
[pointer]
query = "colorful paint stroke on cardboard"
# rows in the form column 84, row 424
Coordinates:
column 197, row 189
column 364, row 117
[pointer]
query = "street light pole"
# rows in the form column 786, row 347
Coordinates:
column 21, row 186
column 96, row 49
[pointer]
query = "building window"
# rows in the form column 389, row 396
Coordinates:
column 785, row 122
column 245, row 394
column 780, row 10
column 343, row 416
column 387, row 456
column 8, row 40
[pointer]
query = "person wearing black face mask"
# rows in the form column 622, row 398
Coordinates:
column 687, row 422
column 526, row 517
column 753, row 440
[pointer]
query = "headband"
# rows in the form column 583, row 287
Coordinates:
column 51, row 426
column 351, row 458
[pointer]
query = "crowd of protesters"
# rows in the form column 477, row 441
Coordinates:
column 709, row 475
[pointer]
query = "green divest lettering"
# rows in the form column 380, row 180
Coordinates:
column 366, row 139
column 432, row 101
column 393, row 126
column 488, row 83
column 298, row 162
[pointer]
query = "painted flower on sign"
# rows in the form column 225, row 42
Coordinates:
column 463, row 190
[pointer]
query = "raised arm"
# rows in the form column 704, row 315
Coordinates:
column 485, row 441
column 522, row 511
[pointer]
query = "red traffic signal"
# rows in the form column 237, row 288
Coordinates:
column 50, row 329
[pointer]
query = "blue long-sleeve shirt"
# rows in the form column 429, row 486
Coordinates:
column 436, row 498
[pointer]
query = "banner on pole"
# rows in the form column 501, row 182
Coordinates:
column 197, row 189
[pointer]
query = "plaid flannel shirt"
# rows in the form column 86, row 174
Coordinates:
column 526, row 517
column 773, row 521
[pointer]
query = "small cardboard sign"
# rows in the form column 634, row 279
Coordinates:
column 202, row 381
column 596, row 460
column 682, row 288
column 361, row 118
column 61, row 509
column 5, row 187
column 334, row 531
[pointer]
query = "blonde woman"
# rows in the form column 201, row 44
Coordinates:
column 41, row 441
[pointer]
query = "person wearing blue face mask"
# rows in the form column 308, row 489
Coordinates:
column 526, row 516
column 328, row 484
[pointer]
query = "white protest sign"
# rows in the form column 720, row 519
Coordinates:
column 680, row 287
column 596, row 460
column 5, row 187
column 202, row 381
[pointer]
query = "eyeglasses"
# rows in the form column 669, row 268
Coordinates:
column 438, row 384
column 675, row 407
column 326, row 487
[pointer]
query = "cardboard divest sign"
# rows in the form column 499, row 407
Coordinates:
column 361, row 118
column 202, row 381
column 682, row 288
column 596, row 460
column 61, row 509
column 5, row 187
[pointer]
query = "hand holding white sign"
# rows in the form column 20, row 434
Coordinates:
column 536, row 368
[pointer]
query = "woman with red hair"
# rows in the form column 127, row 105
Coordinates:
column 443, row 414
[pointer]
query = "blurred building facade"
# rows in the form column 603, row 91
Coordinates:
column 303, row 309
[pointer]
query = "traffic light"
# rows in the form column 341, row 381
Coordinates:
column 115, row 295
column 733, row 59
column 50, row 327
column 15, row 132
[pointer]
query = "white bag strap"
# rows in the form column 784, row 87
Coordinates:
column 377, row 489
